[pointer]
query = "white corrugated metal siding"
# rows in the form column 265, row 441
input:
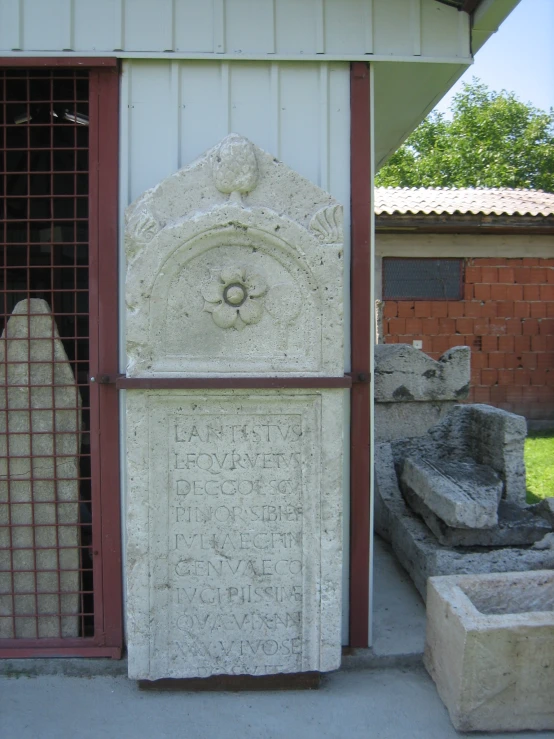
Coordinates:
column 171, row 112
column 235, row 28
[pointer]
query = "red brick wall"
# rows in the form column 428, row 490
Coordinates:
column 506, row 317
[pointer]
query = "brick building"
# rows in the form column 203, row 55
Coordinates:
column 473, row 267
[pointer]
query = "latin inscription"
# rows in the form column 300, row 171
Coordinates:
column 235, row 568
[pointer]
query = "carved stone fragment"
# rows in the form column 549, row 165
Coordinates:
column 40, row 423
column 234, row 520
column 463, row 494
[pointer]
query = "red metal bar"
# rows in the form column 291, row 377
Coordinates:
column 63, row 650
column 94, row 341
column 58, row 61
column 220, row 383
column 361, row 204
column 104, row 216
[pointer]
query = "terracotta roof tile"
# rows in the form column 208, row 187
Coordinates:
column 468, row 200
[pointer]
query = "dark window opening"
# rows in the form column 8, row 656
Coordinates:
column 415, row 278
column 44, row 253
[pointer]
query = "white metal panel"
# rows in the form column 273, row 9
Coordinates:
column 47, row 26
column 151, row 110
column 299, row 93
column 173, row 111
column 295, row 28
column 260, row 29
column 248, row 114
column 148, row 26
column 10, row 25
column 439, row 36
column 194, row 26
column 394, row 27
column 204, row 115
column 345, row 31
column 97, row 26
column 249, row 26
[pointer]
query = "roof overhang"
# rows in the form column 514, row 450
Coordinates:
column 463, row 223
column 406, row 91
column 468, row 6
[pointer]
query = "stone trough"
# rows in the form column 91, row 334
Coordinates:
column 490, row 649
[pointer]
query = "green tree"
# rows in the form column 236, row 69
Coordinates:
column 491, row 140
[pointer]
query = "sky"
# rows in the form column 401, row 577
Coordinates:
column 519, row 57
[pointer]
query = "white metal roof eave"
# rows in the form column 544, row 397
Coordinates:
column 487, row 19
column 209, row 56
column 485, row 22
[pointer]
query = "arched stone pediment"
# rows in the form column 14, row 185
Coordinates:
column 234, row 267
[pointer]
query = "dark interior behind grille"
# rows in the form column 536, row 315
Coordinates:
column 44, row 211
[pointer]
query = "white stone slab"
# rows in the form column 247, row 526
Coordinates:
column 39, row 471
column 490, row 649
column 235, row 554
column 234, row 268
column 234, row 532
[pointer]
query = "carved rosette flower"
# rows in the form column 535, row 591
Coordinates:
column 236, row 298
column 234, row 166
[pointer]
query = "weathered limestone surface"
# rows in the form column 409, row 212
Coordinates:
column 461, row 493
column 408, row 420
column 405, row 374
column 545, row 509
column 516, row 526
column 234, row 523
column 234, row 532
column 414, row 392
column 418, row 550
column 242, row 282
column 490, row 436
column 490, row 649
column 39, row 438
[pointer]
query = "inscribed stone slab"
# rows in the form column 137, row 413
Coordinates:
column 234, row 269
column 234, row 532
column 40, row 423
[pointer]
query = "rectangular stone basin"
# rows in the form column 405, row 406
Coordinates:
column 490, row 649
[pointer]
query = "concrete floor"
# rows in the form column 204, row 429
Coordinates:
column 398, row 610
column 373, row 704
column 383, row 693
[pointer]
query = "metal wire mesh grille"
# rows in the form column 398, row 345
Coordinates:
column 46, row 583
column 422, row 279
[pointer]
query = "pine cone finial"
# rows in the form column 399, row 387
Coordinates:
column 234, row 166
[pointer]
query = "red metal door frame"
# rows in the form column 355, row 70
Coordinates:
column 104, row 149
column 103, row 311
column 361, row 271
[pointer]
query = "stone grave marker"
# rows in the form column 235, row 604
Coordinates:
column 234, row 515
column 40, row 425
